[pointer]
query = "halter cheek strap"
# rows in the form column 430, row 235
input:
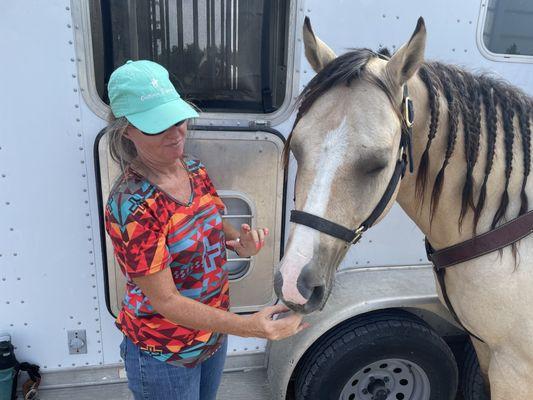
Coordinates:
column 405, row 157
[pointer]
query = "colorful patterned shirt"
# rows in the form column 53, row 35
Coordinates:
column 151, row 231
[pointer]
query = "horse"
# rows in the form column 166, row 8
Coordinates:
column 469, row 148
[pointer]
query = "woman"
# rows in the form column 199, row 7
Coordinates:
column 164, row 219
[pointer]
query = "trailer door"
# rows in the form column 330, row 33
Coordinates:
column 245, row 167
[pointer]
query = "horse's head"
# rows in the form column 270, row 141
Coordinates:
column 346, row 142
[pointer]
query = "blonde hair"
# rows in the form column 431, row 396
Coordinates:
column 121, row 149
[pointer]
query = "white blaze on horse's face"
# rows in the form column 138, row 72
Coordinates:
column 332, row 155
column 346, row 145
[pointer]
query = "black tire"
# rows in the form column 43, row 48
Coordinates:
column 331, row 362
column 472, row 383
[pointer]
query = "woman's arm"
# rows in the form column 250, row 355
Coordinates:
column 230, row 231
column 166, row 300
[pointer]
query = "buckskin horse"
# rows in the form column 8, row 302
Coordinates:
column 454, row 149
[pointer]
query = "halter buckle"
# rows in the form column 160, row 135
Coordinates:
column 408, row 112
column 358, row 233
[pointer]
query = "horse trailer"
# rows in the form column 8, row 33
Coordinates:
column 242, row 63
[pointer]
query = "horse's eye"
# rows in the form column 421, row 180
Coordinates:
column 373, row 164
column 376, row 169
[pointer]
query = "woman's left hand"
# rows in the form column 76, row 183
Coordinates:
column 249, row 242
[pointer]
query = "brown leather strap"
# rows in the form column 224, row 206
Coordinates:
column 497, row 239
column 442, row 283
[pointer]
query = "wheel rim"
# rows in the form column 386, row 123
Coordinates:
column 389, row 379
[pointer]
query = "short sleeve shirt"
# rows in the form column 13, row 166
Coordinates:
column 151, row 231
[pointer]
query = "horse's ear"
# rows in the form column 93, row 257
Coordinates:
column 316, row 51
column 407, row 60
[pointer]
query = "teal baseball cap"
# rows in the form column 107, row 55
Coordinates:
column 142, row 92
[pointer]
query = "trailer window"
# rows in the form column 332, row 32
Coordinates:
column 508, row 28
column 238, row 212
column 223, row 55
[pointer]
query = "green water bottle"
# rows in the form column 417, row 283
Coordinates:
column 8, row 362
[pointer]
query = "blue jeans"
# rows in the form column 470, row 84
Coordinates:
column 151, row 379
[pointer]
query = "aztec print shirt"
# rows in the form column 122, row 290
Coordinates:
column 151, row 231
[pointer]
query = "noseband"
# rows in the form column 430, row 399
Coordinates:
column 405, row 156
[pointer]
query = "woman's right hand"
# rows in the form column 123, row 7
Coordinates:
column 262, row 324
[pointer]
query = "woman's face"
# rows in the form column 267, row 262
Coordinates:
column 161, row 148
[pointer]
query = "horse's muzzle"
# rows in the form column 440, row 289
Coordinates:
column 311, row 290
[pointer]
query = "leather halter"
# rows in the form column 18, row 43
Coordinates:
column 405, row 156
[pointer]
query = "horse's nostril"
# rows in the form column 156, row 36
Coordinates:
column 315, row 300
column 308, row 282
column 304, row 290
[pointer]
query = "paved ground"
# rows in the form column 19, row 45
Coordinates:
column 249, row 385
column 235, row 386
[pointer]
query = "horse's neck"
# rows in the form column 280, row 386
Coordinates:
column 443, row 230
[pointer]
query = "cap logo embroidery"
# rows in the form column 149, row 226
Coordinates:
column 161, row 92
